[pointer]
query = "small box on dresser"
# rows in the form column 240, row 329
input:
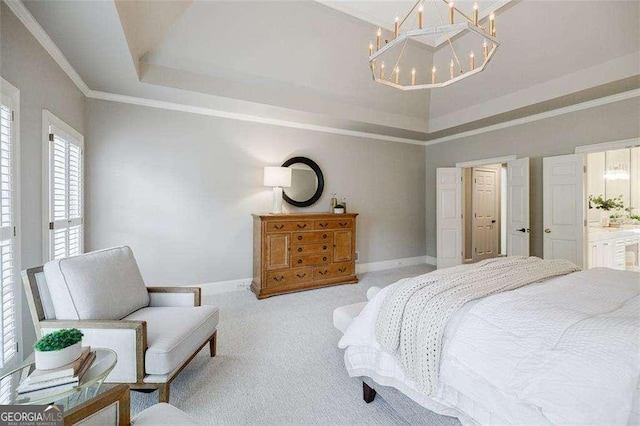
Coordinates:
column 294, row 252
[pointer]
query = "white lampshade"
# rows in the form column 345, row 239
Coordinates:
column 277, row 176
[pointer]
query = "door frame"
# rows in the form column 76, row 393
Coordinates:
column 480, row 163
column 591, row 149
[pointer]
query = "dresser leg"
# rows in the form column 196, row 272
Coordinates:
column 368, row 393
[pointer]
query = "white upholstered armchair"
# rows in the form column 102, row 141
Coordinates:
column 155, row 331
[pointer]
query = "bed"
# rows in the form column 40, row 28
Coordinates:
column 561, row 351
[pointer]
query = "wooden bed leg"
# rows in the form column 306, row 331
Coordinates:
column 368, row 393
column 163, row 392
column 213, row 343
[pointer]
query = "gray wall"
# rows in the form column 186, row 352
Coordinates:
column 553, row 136
column 43, row 85
column 179, row 189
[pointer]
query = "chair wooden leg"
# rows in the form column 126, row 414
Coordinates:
column 213, row 343
column 163, row 392
column 368, row 393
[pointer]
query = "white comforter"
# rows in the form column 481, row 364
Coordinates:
column 563, row 351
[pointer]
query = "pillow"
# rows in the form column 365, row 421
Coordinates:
column 101, row 285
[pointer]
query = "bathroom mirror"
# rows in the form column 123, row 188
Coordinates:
column 307, row 182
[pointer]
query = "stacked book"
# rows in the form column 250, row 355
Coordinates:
column 43, row 383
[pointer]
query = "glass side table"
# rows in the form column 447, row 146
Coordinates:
column 88, row 387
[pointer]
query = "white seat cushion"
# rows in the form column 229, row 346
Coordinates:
column 174, row 334
column 162, row 414
column 343, row 315
column 101, row 285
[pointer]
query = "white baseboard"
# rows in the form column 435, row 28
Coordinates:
column 219, row 287
column 390, row 264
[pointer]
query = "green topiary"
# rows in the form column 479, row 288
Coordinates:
column 58, row 340
column 606, row 204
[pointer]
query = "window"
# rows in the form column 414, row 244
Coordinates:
column 9, row 219
column 65, row 199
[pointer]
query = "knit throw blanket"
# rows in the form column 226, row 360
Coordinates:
column 416, row 310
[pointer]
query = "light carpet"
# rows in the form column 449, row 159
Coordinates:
column 278, row 363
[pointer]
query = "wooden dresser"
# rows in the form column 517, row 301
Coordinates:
column 293, row 252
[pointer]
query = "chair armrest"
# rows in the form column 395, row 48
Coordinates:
column 127, row 338
column 174, row 296
column 117, row 397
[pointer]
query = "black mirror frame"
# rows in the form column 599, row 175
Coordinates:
column 309, row 162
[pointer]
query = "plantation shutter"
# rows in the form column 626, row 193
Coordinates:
column 8, row 265
column 66, row 221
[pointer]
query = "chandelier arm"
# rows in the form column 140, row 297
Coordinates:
column 406, row 40
column 453, row 50
column 419, row 2
column 460, row 12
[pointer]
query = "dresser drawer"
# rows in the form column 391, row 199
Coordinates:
column 292, row 276
column 334, row 224
column 332, row 271
column 312, row 237
column 284, row 226
column 304, row 249
column 314, row 259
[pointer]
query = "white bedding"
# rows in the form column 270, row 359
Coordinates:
column 558, row 352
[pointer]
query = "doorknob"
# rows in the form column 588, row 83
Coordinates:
column 547, row 231
column 522, row 230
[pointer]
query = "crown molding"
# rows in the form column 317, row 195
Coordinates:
column 154, row 103
column 27, row 19
column 541, row 116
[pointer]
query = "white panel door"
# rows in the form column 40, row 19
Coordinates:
column 449, row 220
column 485, row 213
column 518, row 207
column 564, row 204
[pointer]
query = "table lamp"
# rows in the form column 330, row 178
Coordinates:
column 278, row 178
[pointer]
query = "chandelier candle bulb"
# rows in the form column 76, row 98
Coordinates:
column 370, row 48
column 451, row 70
column 382, row 71
column 379, row 39
column 420, row 16
column 413, row 76
column 396, row 27
column 397, row 75
column 485, row 49
column 451, row 12
column 472, row 61
column 433, row 75
column 492, row 24
column 475, row 14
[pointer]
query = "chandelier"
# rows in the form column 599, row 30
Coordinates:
column 456, row 23
column 617, row 172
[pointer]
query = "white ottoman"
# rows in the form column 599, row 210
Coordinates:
column 343, row 315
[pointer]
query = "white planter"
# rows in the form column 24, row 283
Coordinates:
column 54, row 359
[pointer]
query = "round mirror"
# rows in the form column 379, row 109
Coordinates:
column 307, row 182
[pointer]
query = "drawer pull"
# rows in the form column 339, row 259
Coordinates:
column 343, row 224
column 278, row 279
column 323, row 225
column 299, row 249
column 302, row 226
column 278, row 226
column 299, row 237
column 324, row 247
column 299, row 261
column 301, row 275
column 324, row 235
column 322, row 272
column 324, row 258
column 342, row 269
